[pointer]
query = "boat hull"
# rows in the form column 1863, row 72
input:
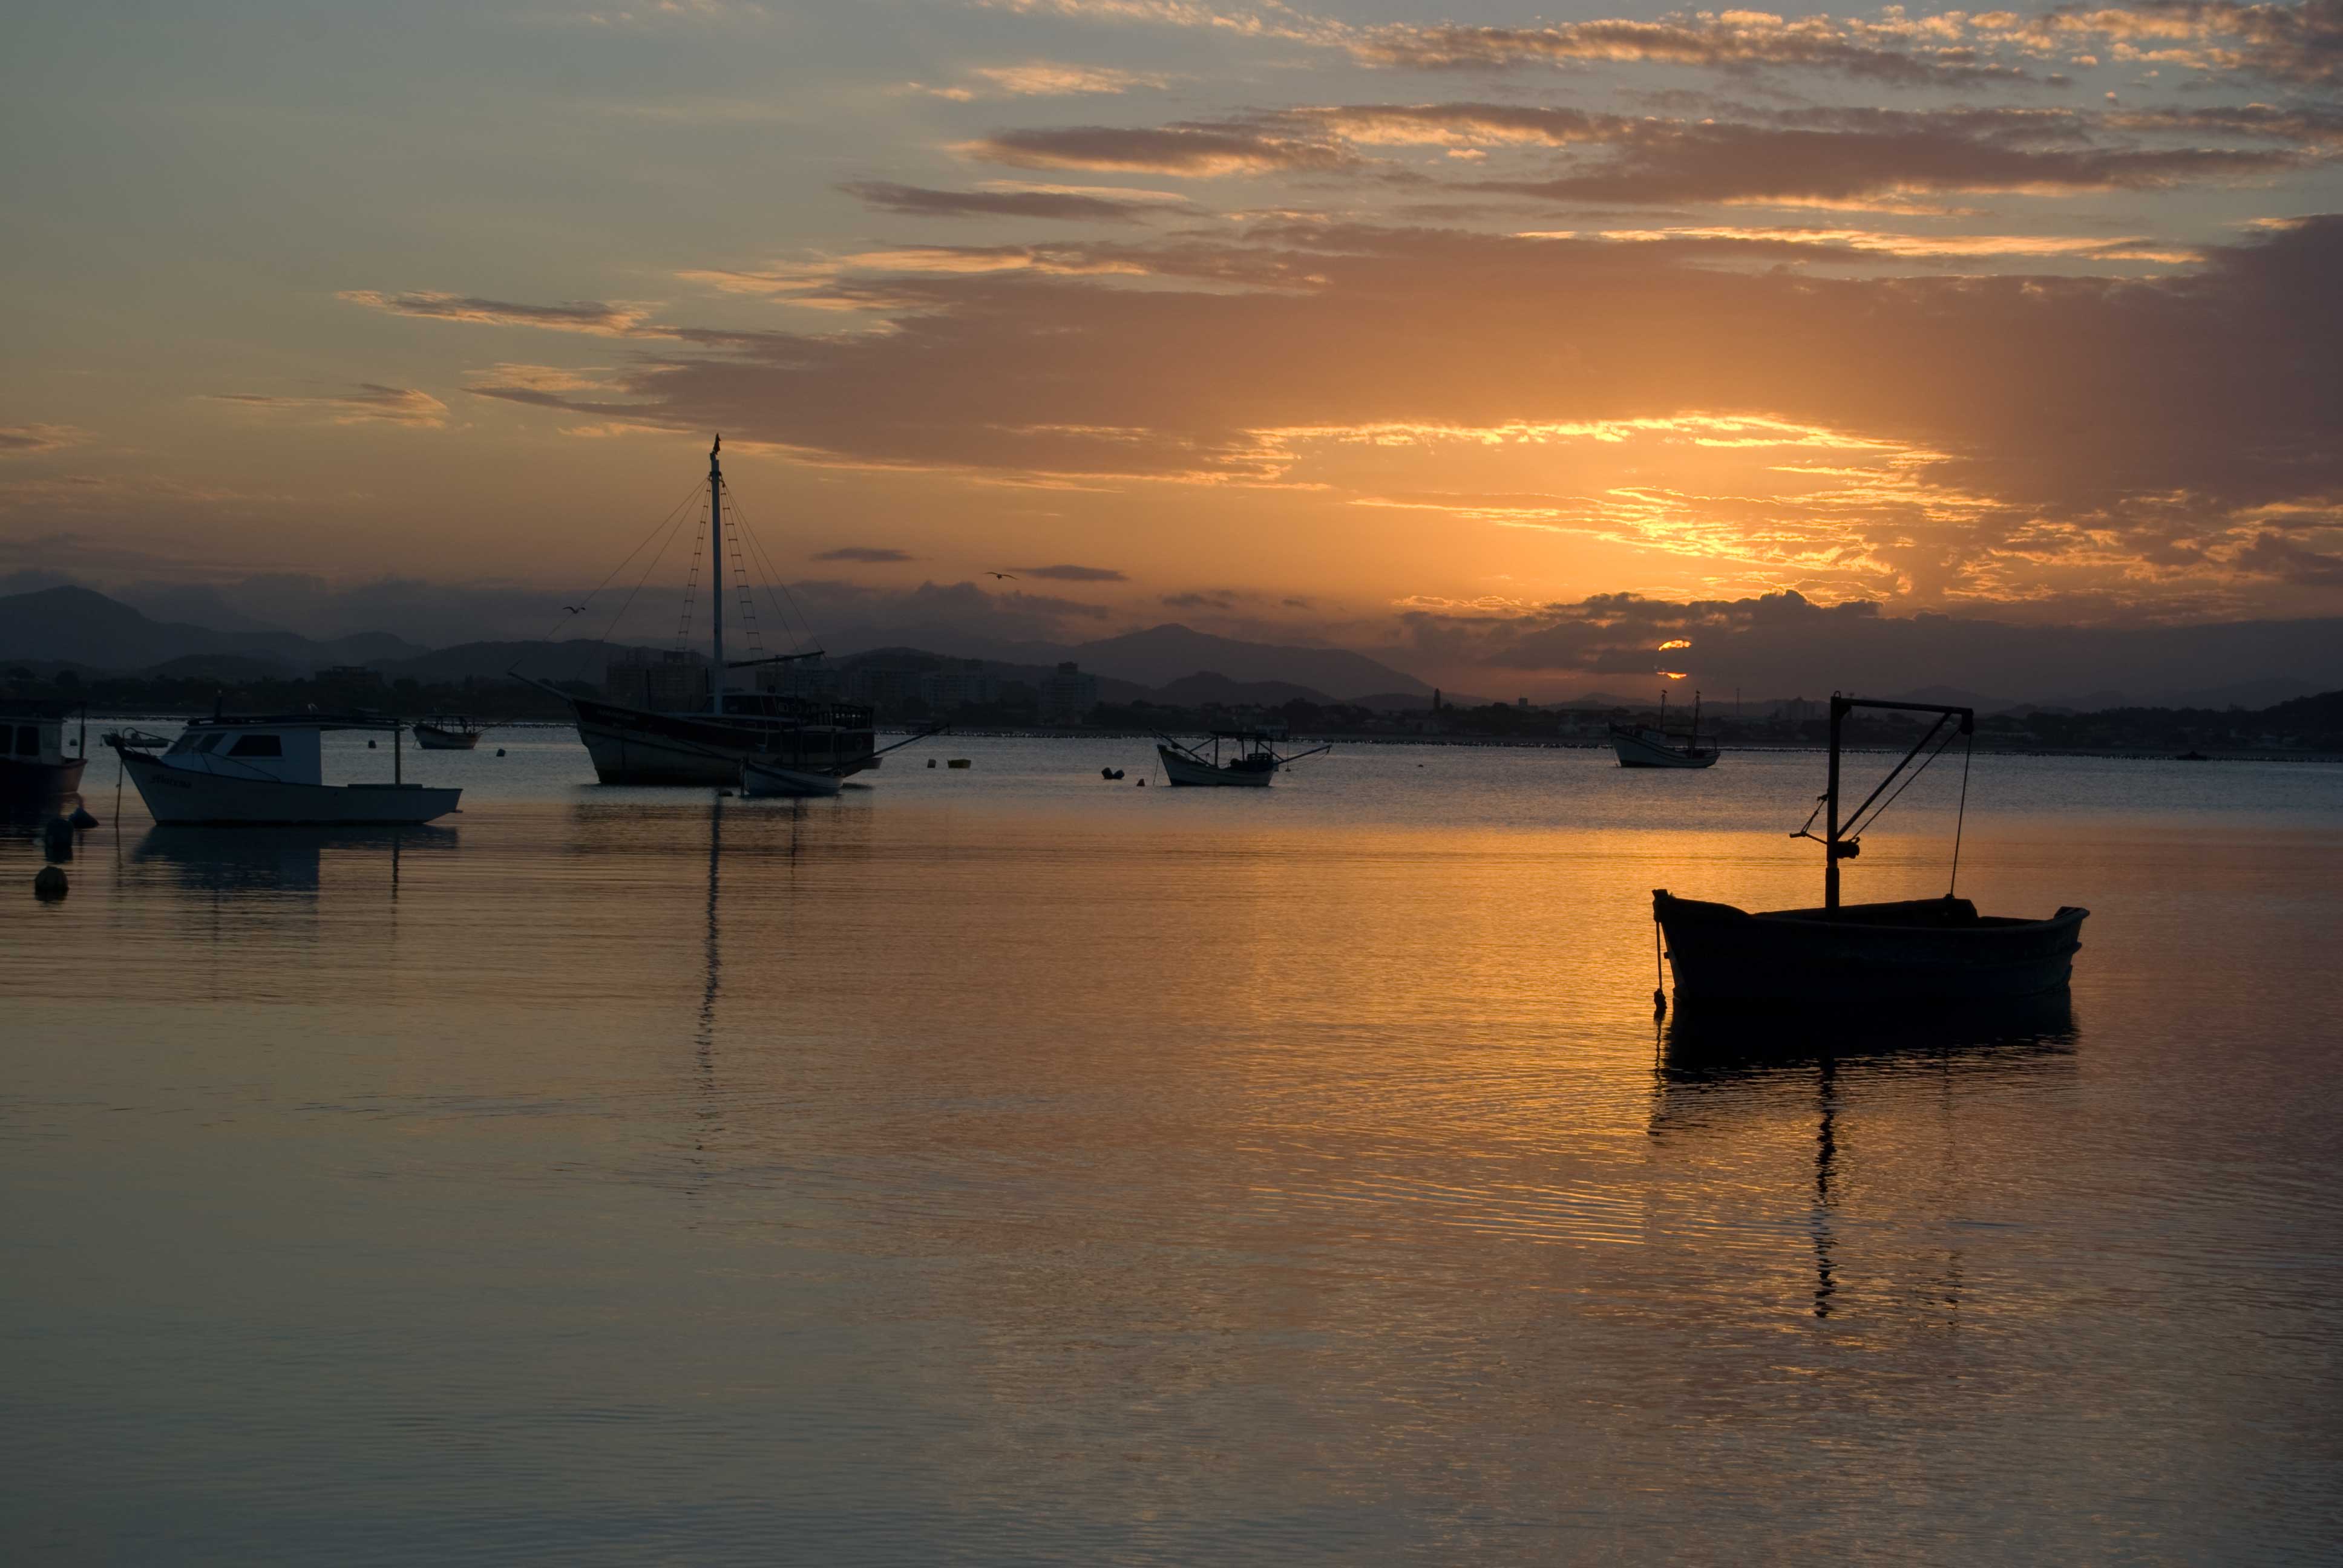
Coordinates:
column 26, row 785
column 630, row 746
column 1184, row 769
column 182, row 797
column 1635, row 751
column 761, row 780
column 1931, row 950
column 431, row 738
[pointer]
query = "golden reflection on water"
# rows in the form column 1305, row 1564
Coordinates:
column 908, row 1179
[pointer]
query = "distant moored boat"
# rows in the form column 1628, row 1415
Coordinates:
column 1253, row 762
column 447, row 732
column 1652, row 745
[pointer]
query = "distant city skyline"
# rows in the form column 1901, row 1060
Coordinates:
column 1505, row 347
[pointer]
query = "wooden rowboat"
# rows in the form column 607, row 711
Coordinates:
column 1918, row 949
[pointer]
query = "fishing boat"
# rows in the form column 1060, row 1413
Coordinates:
column 708, row 739
column 1254, row 758
column 37, row 769
column 447, row 732
column 760, row 779
column 269, row 770
column 1654, row 746
column 1915, row 950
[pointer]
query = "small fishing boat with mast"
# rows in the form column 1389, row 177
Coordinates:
column 1654, row 746
column 710, row 740
column 1254, row 758
column 447, row 732
column 1917, row 950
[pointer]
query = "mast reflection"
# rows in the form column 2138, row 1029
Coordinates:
column 1713, row 1068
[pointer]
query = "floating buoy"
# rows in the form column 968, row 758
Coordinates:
column 56, row 838
column 371, row 746
column 724, row 794
column 48, row 884
column 1143, row 783
column 931, row 762
column 1659, row 1001
column 82, row 818
column 500, row 751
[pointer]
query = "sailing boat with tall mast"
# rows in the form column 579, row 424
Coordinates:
column 708, row 742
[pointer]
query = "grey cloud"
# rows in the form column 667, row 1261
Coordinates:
column 1737, row 41
column 1067, row 574
column 2274, row 555
column 873, row 555
column 369, row 402
column 918, row 201
column 588, row 315
column 1189, row 149
column 2302, row 43
column 1665, row 162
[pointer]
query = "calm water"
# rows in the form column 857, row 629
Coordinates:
column 1006, row 1166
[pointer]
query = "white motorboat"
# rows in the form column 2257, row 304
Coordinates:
column 269, row 770
column 1253, row 762
column 1655, row 745
column 765, row 780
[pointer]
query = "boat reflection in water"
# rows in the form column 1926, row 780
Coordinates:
column 265, row 860
column 1860, row 1077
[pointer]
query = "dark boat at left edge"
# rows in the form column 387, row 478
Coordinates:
column 37, row 769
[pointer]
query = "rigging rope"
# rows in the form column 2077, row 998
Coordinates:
column 657, row 528
column 1967, row 756
column 772, row 576
column 1851, row 829
column 691, row 584
column 648, row 567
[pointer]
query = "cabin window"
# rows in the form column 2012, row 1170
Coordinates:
column 257, row 746
column 209, row 743
column 28, row 740
column 184, row 743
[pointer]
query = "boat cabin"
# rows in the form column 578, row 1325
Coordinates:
column 287, row 748
column 34, row 739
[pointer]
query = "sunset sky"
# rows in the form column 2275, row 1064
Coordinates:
column 1425, row 331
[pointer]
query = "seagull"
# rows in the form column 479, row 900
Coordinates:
column 575, row 608
column 1000, row 574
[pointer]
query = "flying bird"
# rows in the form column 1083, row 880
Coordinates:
column 575, row 608
column 1000, row 574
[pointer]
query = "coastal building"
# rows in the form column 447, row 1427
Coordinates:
column 1068, row 694
column 668, row 681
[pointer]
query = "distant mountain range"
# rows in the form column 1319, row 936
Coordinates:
column 81, row 627
column 85, row 628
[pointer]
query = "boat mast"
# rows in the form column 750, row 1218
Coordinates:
column 715, row 563
column 1830, row 796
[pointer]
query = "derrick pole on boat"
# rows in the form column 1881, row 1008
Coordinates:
column 1830, row 796
column 1835, row 849
column 715, row 563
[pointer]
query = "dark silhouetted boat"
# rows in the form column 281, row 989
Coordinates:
column 1654, row 746
column 1253, row 760
column 710, row 742
column 447, row 732
column 1915, row 950
column 37, row 769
